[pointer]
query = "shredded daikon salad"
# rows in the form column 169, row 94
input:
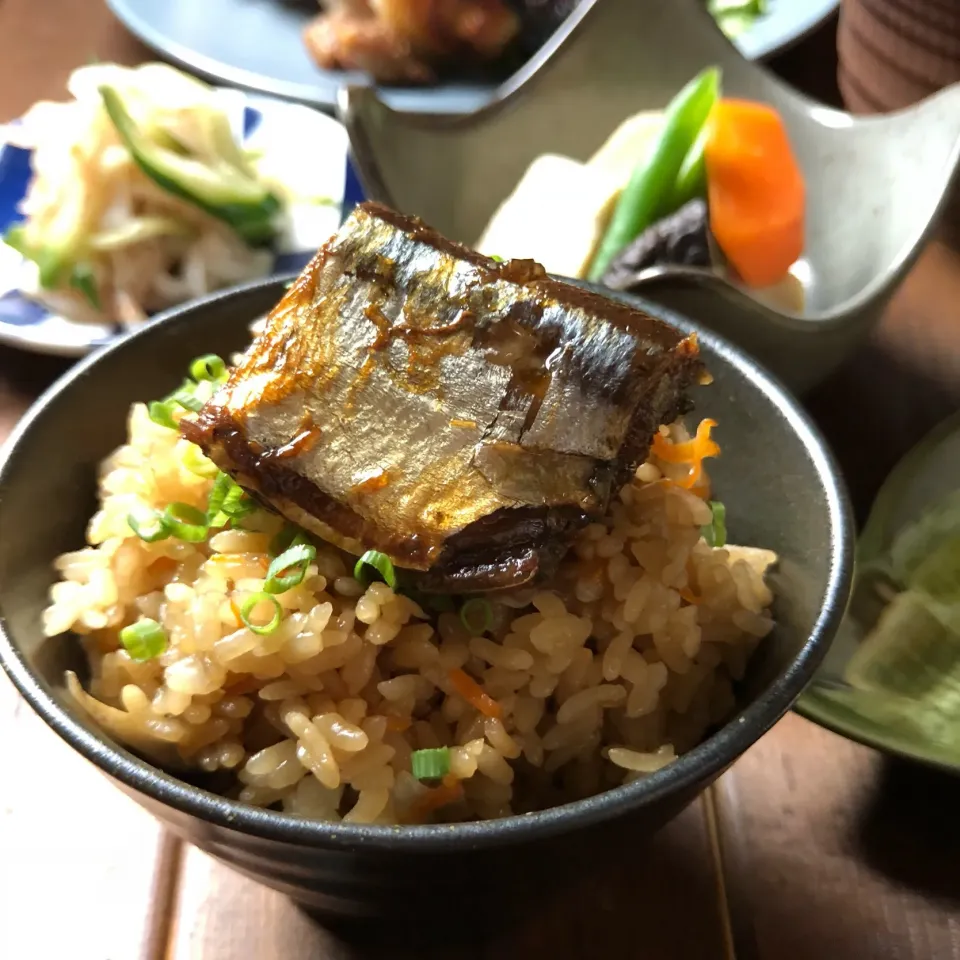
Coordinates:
column 141, row 197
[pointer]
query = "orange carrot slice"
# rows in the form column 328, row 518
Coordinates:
column 755, row 190
column 473, row 693
column 448, row 792
column 693, row 452
column 235, row 610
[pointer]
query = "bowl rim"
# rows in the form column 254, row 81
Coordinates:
column 704, row 762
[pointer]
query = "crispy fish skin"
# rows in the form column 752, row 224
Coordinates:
column 463, row 416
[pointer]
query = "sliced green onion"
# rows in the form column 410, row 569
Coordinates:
column 198, row 464
column 161, row 411
column 289, row 569
column 496, row 258
column 218, row 493
column 236, row 504
column 432, row 764
column 643, row 200
column 477, row 616
column 261, row 629
column 144, row 639
column 715, row 532
column 379, row 562
column 288, row 536
column 186, row 522
column 187, row 398
column 208, row 367
column 228, row 501
column 150, row 525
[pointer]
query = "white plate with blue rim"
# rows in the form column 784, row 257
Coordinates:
column 259, row 122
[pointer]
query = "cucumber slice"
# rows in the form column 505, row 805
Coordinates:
column 225, row 190
column 51, row 264
column 906, row 603
column 910, row 652
column 48, row 259
column 910, row 663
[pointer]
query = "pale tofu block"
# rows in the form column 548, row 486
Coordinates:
column 556, row 215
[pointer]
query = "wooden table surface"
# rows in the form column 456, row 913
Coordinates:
column 810, row 847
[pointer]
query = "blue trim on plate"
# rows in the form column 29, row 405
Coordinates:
column 17, row 310
column 14, row 177
column 28, row 324
column 251, row 120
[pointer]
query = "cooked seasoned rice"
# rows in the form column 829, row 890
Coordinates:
column 626, row 662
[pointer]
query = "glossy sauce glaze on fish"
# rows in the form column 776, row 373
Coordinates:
column 463, row 416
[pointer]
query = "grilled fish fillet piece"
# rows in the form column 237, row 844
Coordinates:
column 463, row 416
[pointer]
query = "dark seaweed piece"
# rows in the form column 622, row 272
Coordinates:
column 681, row 238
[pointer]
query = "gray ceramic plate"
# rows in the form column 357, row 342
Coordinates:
column 257, row 44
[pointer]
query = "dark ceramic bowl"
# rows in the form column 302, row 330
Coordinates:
column 781, row 489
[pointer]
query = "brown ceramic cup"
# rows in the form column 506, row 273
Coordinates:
column 893, row 53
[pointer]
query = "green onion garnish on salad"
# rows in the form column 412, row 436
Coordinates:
column 477, row 616
column 247, row 607
column 289, row 568
column 144, row 639
column 379, row 562
column 186, row 522
column 432, row 764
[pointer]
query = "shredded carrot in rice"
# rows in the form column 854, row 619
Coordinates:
column 473, row 693
column 692, row 452
column 398, row 724
column 450, row 791
column 235, row 610
column 687, row 591
column 689, row 595
column 702, row 489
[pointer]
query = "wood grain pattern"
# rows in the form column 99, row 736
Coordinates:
column 42, row 42
column 832, row 851
column 901, row 383
column 74, row 852
column 659, row 903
